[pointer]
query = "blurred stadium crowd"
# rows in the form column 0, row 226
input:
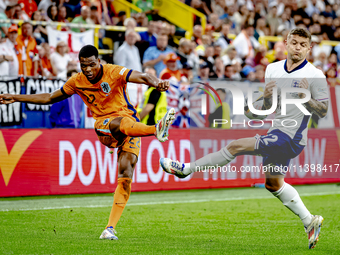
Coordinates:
column 229, row 47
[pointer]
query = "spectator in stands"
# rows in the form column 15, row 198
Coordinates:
column 248, row 72
column 149, row 35
column 43, row 66
column 60, row 59
column 155, row 55
column 8, row 14
column 215, row 21
column 228, row 72
column 272, row 19
column 5, row 59
column 47, row 48
column 197, row 34
column 44, row 4
column 127, row 55
column 20, row 13
column 203, row 73
column 74, row 65
column 240, row 17
column 26, row 46
column 121, row 18
column 260, row 26
column 218, row 7
column 141, row 19
column 62, row 16
column 39, row 32
column 259, row 73
column 229, row 55
column 224, row 40
column 245, row 43
column 171, row 71
column 29, row 6
column 68, row 113
column 221, row 111
column 187, row 74
column 130, row 23
column 52, row 13
column 85, row 14
column 73, row 7
column 11, row 53
column 218, row 69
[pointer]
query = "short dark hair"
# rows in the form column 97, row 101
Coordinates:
column 88, row 51
column 220, row 89
column 94, row 8
column 303, row 32
column 26, row 22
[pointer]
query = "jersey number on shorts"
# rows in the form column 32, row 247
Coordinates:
column 272, row 139
column 133, row 144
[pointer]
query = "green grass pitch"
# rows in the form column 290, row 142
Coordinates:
column 220, row 221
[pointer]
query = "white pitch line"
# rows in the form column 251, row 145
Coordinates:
column 166, row 202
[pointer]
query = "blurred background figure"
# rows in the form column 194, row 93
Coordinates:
column 68, row 113
column 9, row 64
column 155, row 55
column 221, row 111
column 59, row 60
column 171, row 71
column 26, row 47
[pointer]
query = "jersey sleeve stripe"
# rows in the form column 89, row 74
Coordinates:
column 128, row 75
column 63, row 91
column 322, row 99
column 303, row 126
column 130, row 107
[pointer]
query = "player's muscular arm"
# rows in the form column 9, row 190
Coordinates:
column 319, row 108
column 144, row 78
column 45, row 98
column 267, row 94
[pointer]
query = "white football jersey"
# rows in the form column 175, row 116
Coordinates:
column 284, row 79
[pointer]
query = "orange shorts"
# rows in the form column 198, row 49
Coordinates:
column 130, row 144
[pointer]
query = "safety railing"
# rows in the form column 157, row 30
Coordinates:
column 262, row 39
column 60, row 25
column 122, row 5
column 179, row 14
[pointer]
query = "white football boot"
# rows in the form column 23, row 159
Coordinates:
column 313, row 230
column 109, row 233
column 162, row 127
column 172, row 167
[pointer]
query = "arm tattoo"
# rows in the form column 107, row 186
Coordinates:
column 267, row 103
column 319, row 108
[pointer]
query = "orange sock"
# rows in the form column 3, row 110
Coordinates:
column 135, row 129
column 120, row 198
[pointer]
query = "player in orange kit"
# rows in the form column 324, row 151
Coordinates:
column 103, row 89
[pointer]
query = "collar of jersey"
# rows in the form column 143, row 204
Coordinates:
column 296, row 68
column 99, row 76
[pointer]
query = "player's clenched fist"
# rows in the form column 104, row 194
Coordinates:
column 6, row 99
column 163, row 85
column 268, row 90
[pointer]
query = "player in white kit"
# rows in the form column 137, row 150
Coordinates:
column 281, row 143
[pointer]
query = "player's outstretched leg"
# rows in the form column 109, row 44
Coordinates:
column 220, row 158
column 290, row 198
column 126, row 162
column 131, row 128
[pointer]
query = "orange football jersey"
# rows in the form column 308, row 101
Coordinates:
column 107, row 97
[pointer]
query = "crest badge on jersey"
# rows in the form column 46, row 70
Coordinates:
column 295, row 84
column 105, row 87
